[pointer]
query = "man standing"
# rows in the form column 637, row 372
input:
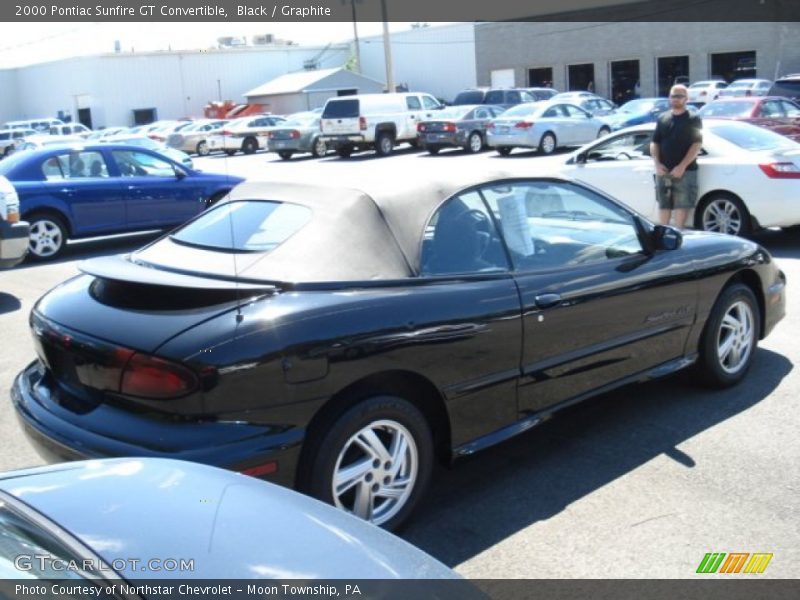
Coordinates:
column 676, row 143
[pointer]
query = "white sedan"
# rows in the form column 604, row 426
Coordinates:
column 748, row 177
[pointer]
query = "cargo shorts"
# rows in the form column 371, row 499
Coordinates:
column 673, row 193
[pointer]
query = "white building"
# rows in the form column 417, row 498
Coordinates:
column 437, row 60
column 105, row 90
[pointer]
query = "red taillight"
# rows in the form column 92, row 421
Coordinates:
column 523, row 125
column 421, row 127
column 490, row 125
column 150, row 377
column 260, row 470
column 362, row 123
column 294, row 134
column 450, row 127
column 781, row 170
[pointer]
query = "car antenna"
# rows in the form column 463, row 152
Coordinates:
column 239, row 315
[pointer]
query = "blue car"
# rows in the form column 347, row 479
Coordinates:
column 636, row 112
column 85, row 190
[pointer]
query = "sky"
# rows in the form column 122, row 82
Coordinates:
column 28, row 43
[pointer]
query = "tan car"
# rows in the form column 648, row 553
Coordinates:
column 194, row 139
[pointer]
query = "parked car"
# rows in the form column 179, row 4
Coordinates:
column 541, row 93
column 13, row 232
column 505, row 97
column 636, row 112
column 148, row 511
column 375, row 121
column 370, row 328
column 299, row 134
column 543, row 125
column 701, row 92
column 748, row 177
column 746, row 87
column 194, row 138
column 774, row 113
column 9, row 137
column 160, row 134
column 44, row 140
column 142, row 141
column 41, row 125
column 84, row 190
column 462, row 126
column 787, row 87
column 248, row 134
column 592, row 103
column 71, row 129
column 106, row 132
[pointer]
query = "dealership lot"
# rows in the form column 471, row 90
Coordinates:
column 639, row 483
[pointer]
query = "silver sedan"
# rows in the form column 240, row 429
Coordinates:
column 545, row 126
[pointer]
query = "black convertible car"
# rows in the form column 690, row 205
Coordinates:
column 342, row 342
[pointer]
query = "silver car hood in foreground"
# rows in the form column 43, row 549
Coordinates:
column 232, row 526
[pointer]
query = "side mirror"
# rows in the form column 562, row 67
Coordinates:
column 667, row 237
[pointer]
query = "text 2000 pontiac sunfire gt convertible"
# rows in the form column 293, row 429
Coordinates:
column 341, row 341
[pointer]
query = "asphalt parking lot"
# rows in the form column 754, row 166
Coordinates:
column 638, row 483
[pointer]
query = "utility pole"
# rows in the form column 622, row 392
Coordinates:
column 355, row 35
column 387, row 49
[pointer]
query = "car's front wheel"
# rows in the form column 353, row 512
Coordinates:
column 375, row 461
column 48, row 236
column 730, row 338
column 547, row 145
column 474, row 143
column 249, row 146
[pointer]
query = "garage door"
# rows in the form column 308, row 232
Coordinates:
column 503, row 78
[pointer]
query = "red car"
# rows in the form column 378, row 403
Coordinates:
column 772, row 112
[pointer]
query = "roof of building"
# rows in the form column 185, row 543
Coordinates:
column 292, row 83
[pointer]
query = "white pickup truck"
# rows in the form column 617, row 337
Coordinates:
column 13, row 232
column 375, row 121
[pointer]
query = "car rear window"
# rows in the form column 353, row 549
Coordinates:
column 244, row 226
column 469, row 97
column 495, row 97
column 727, row 109
column 750, row 137
column 341, row 109
column 789, row 89
column 699, row 85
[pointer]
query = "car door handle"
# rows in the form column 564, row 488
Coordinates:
column 67, row 190
column 133, row 187
column 547, row 300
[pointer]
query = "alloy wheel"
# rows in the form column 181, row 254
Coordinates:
column 376, row 471
column 724, row 216
column 735, row 338
column 475, row 143
column 46, row 238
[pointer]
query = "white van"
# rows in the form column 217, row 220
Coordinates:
column 42, row 125
column 13, row 232
column 375, row 121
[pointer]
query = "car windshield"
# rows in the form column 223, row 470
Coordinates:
column 741, row 84
column 244, row 226
column 750, row 137
column 637, row 106
column 727, row 109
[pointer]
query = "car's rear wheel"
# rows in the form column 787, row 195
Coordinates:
column 723, row 213
column 730, row 338
column 547, row 145
column 319, row 149
column 285, row 154
column 249, row 146
column 230, row 152
column 504, row 150
column 474, row 143
column 344, row 151
column 203, row 149
column 384, row 144
column 48, row 236
column 375, row 461
column 433, row 149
